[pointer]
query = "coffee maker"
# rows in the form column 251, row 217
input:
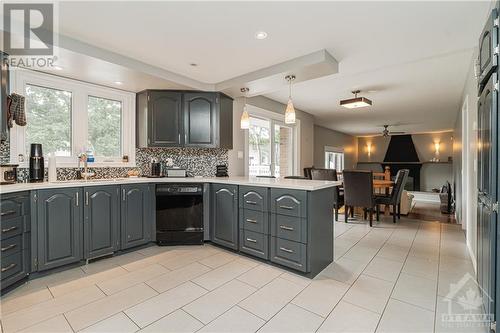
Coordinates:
column 37, row 167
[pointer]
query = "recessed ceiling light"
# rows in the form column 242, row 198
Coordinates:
column 58, row 68
column 261, row 35
column 193, row 64
column 119, row 83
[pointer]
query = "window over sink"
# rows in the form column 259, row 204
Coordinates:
column 69, row 117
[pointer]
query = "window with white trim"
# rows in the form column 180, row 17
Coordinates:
column 69, row 117
column 334, row 158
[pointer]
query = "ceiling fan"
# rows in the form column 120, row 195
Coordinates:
column 386, row 132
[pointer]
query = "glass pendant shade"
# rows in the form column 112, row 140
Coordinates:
column 290, row 113
column 245, row 119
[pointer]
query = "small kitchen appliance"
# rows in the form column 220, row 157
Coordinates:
column 8, row 174
column 176, row 173
column 37, row 167
column 221, row 171
column 155, row 168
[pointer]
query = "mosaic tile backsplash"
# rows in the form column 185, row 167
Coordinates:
column 197, row 162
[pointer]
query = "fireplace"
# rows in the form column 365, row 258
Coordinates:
column 401, row 154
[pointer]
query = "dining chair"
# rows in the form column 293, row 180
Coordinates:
column 338, row 196
column 358, row 191
column 393, row 199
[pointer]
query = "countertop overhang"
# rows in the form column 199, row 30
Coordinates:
column 295, row 184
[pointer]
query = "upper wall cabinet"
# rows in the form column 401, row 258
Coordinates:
column 4, row 92
column 167, row 118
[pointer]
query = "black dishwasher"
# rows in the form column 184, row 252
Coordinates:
column 179, row 214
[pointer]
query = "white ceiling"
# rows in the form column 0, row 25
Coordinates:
column 413, row 55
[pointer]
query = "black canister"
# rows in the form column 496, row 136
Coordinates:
column 155, row 168
column 37, row 167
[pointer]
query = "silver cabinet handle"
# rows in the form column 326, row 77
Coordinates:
column 5, row 269
column 251, row 221
column 286, row 207
column 251, row 202
column 286, row 250
column 251, row 240
column 11, row 246
column 123, row 194
column 77, row 198
column 9, row 229
column 9, row 212
column 86, row 198
column 284, row 227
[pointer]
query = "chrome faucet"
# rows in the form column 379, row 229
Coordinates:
column 85, row 174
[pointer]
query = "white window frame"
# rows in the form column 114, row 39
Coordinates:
column 80, row 92
column 337, row 150
column 275, row 119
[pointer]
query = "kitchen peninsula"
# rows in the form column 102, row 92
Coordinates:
column 288, row 222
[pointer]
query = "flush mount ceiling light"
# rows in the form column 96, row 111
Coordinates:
column 261, row 35
column 58, row 68
column 290, row 110
column 245, row 118
column 118, row 83
column 356, row 102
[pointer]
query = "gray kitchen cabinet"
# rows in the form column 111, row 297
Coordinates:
column 224, row 204
column 159, row 119
column 136, row 214
column 101, row 220
column 60, row 229
column 172, row 118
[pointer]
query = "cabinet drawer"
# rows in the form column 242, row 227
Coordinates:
column 255, row 221
column 289, row 227
column 11, row 245
column 11, row 265
column 9, row 209
column 254, row 243
column 11, row 227
column 289, row 202
column 254, row 198
column 289, row 253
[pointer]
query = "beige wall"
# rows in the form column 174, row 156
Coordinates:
column 431, row 175
column 324, row 137
column 236, row 155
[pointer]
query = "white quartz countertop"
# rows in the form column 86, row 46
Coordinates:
column 296, row 184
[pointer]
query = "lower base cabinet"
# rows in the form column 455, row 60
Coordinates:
column 254, row 243
column 59, row 220
column 289, row 253
column 224, row 215
column 136, row 214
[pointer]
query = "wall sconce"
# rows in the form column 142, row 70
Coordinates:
column 437, row 145
column 369, row 149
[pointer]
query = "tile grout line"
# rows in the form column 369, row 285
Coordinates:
column 64, row 316
column 126, row 315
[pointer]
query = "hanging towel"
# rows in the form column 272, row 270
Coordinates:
column 17, row 109
column 10, row 115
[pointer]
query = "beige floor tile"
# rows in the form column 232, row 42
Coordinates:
column 219, row 259
column 298, row 279
column 57, row 324
column 99, row 266
column 347, row 317
column 130, row 279
column 176, row 322
column 260, row 275
column 403, row 317
column 119, row 323
column 462, row 320
column 218, row 301
column 344, row 270
column 416, row 290
column 234, row 320
column 293, row 319
column 321, row 296
column 384, row 269
column 12, row 303
column 421, row 267
column 92, row 313
column 361, row 253
column 455, row 265
column 450, row 281
column 174, row 278
column 271, row 298
column 393, row 252
column 159, row 306
column 88, row 280
column 369, row 293
column 188, row 257
column 42, row 311
column 221, row 275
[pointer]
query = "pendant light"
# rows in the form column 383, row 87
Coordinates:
column 290, row 110
column 245, row 118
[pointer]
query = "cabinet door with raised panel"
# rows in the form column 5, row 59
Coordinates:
column 200, row 119
column 60, row 228
column 225, row 215
column 136, row 215
column 101, row 220
column 165, row 122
